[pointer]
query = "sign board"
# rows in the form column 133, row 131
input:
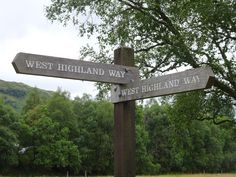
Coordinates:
column 32, row 64
column 185, row 81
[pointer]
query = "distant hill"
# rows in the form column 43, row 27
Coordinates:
column 15, row 94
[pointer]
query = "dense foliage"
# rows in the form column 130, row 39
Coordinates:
column 59, row 135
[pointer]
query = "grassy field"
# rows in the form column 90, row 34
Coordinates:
column 176, row 175
column 199, row 175
column 189, row 175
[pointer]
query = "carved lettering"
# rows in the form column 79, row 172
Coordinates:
column 130, row 91
column 38, row 64
column 146, row 88
column 191, row 80
column 29, row 63
column 122, row 74
column 74, row 68
column 160, row 86
column 115, row 73
column 80, row 69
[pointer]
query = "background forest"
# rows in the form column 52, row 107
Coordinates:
column 54, row 134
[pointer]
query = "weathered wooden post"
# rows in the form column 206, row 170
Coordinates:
column 124, row 113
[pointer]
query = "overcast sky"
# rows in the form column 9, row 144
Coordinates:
column 24, row 28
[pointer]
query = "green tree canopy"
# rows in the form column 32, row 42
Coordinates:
column 60, row 110
column 95, row 140
column 165, row 34
column 47, row 133
column 33, row 99
column 9, row 124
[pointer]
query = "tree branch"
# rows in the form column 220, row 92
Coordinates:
column 225, row 88
column 149, row 48
column 230, row 75
column 217, row 122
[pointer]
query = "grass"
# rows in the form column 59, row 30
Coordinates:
column 173, row 175
column 189, row 175
column 198, row 175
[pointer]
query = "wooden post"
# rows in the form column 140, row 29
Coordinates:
column 124, row 164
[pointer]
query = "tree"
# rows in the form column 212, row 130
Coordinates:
column 60, row 109
column 45, row 142
column 145, row 161
column 197, row 146
column 9, row 142
column 53, row 147
column 95, row 140
column 180, row 143
column 200, row 105
column 33, row 99
column 159, row 127
column 164, row 37
column 229, row 161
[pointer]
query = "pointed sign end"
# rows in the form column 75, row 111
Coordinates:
column 14, row 62
column 211, row 78
column 210, row 82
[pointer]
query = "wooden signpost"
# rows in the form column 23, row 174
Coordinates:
column 194, row 79
column 130, row 88
column 32, row 64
